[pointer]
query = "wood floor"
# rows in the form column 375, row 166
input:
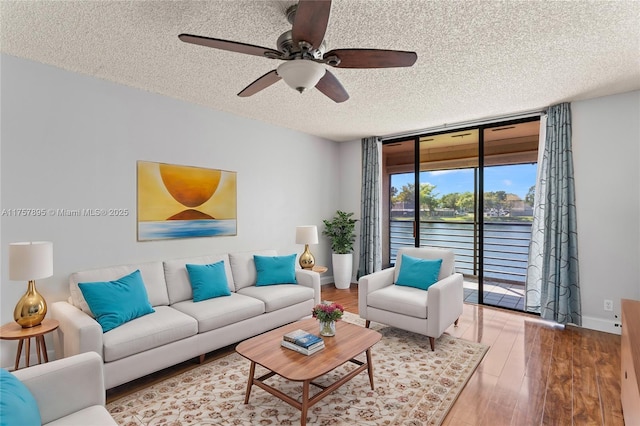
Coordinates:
column 534, row 372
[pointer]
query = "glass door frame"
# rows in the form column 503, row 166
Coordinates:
column 479, row 222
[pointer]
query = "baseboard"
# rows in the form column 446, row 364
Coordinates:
column 600, row 324
column 33, row 360
column 330, row 280
column 326, row 280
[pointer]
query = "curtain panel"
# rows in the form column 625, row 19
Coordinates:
column 552, row 285
column 370, row 214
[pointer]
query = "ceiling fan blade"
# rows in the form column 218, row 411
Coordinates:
column 261, row 83
column 371, row 58
column 331, row 87
column 231, row 46
column 310, row 23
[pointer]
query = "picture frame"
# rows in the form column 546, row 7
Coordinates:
column 177, row 201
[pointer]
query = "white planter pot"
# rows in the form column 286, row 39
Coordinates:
column 342, row 269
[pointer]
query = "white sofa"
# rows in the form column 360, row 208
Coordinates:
column 180, row 329
column 428, row 312
column 69, row 391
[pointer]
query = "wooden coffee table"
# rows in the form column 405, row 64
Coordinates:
column 350, row 341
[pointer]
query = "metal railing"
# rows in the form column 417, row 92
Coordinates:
column 506, row 245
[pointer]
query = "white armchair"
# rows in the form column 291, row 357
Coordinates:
column 69, row 391
column 428, row 312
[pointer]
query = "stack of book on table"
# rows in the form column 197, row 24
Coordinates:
column 303, row 342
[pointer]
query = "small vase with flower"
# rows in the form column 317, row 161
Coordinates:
column 327, row 313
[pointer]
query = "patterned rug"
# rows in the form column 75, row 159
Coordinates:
column 413, row 386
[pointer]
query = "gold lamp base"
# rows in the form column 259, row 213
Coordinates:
column 31, row 308
column 307, row 260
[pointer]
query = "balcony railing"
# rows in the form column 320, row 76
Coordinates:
column 506, row 245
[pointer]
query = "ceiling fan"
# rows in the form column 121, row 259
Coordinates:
column 303, row 50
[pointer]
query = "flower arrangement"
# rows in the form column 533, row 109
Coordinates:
column 328, row 311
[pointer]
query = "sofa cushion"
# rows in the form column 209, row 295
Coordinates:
column 418, row 273
column 401, row 300
column 17, row 404
column 152, row 276
column 114, row 303
column 164, row 326
column 208, row 281
column 279, row 296
column 178, row 283
column 243, row 267
column 275, row 269
column 221, row 311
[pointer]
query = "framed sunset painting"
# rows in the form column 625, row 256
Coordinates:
column 185, row 202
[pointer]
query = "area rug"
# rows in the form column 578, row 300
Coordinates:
column 413, row 386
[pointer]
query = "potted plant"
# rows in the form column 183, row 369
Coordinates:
column 341, row 231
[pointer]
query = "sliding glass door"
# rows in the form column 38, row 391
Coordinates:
column 510, row 154
column 468, row 190
column 448, row 174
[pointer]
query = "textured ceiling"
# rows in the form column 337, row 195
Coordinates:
column 476, row 59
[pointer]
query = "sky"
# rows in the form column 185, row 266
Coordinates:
column 514, row 179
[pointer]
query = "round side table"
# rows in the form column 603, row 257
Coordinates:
column 319, row 269
column 13, row 331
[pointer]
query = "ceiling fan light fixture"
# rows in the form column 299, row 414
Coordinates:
column 301, row 74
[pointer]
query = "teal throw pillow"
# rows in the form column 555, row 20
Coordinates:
column 208, row 281
column 275, row 269
column 17, row 405
column 114, row 303
column 418, row 273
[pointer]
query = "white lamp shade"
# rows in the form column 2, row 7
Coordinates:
column 307, row 234
column 301, row 74
column 30, row 260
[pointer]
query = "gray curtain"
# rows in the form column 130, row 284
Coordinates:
column 370, row 226
column 552, row 286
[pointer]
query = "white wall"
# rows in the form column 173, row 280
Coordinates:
column 349, row 190
column 70, row 141
column 606, row 154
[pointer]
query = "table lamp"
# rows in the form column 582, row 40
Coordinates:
column 306, row 235
column 30, row 261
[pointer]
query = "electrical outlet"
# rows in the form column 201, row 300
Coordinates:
column 608, row 305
